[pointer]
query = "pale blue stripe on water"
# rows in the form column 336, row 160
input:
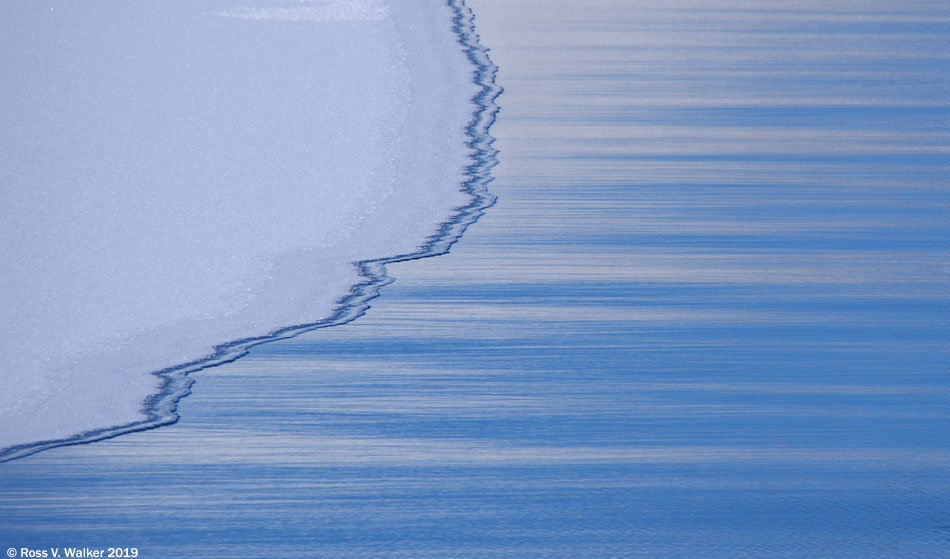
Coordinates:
column 707, row 318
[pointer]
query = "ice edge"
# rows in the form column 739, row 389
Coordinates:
column 162, row 408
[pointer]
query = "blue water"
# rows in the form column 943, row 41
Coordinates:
column 673, row 336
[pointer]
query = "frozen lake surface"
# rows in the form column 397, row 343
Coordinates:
column 706, row 318
column 180, row 175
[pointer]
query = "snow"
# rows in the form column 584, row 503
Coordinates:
column 180, row 174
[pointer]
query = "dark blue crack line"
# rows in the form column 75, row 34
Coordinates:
column 162, row 408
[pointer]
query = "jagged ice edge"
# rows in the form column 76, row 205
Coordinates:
column 161, row 409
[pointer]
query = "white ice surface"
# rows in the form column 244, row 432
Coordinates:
column 178, row 174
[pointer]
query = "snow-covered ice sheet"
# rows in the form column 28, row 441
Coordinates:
column 179, row 174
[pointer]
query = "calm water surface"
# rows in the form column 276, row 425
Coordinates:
column 707, row 318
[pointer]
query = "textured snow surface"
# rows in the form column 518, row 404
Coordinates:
column 179, row 174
